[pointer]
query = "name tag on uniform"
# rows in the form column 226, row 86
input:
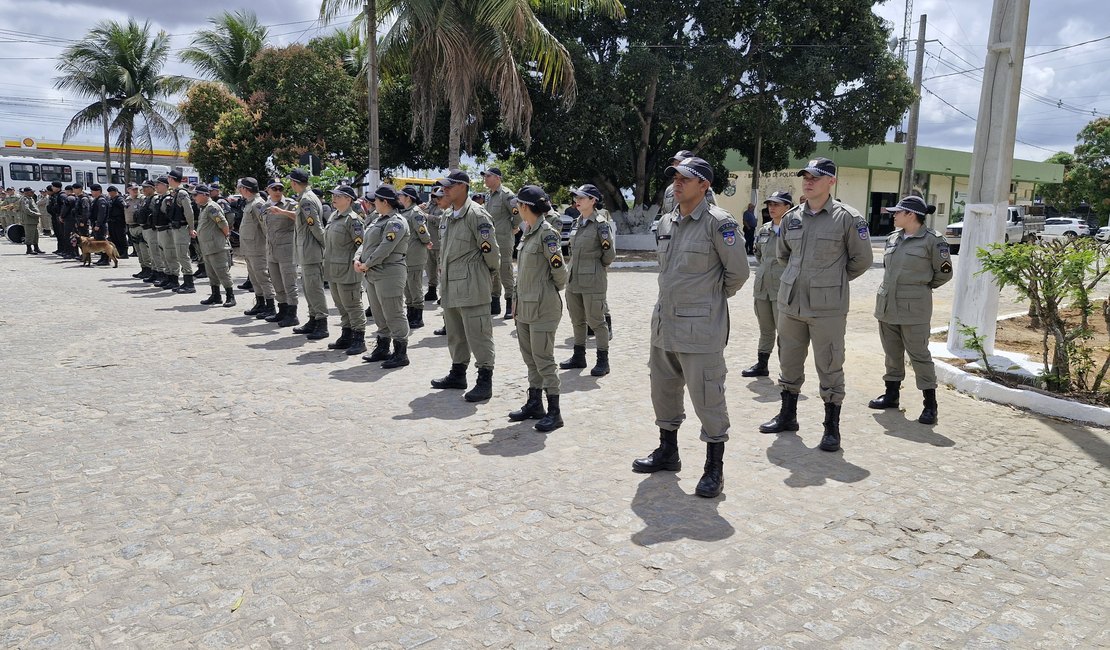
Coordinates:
column 661, row 237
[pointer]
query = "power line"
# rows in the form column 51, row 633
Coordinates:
column 1031, row 56
column 949, row 105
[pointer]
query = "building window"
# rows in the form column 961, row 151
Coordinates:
column 24, row 171
column 61, row 173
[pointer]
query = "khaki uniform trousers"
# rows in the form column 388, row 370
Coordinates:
column 154, row 248
column 259, row 275
column 703, row 375
column 827, row 336
column 503, row 276
column 218, row 267
column 283, row 278
column 348, row 300
column 168, row 245
column 141, row 245
column 313, row 277
column 588, row 309
column 538, row 350
column 181, row 240
column 767, row 315
column 31, row 233
column 913, row 340
column 470, row 329
column 389, row 314
column 432, row 267
column 414, row 287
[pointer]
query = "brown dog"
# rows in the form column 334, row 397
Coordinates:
column 88, row 246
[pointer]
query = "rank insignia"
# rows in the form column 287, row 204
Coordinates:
column 358, row 240
column 946, row 267
column 486, row 247
column 310, row 221
column 556, row 261
column 390, row 236
column 421, row 230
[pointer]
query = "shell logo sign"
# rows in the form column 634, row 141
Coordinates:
column 28, row 143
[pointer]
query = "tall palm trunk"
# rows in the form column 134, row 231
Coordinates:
column 455, row 135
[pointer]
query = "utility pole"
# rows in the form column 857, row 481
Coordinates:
column 373, row 176
column 915, row 113
column 976, row 300
column 107, row 142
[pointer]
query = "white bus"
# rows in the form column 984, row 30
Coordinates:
column 37, row 173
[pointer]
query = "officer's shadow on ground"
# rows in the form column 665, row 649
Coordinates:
column 669, row 514
column 255, row 328
column 321, row 356
column 440, row 405
column 767, row 390
column 431, row 341
column 811, row 466
column 185, row 308
column 898, row 425
column 578, row 380
column 291, row 342
column 518, row 439
column 363, row 373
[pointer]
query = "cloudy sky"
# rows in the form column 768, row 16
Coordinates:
column 1062, row 90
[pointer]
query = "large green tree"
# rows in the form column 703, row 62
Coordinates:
column 126, row 61
column 226, row 51
column 1086, row 172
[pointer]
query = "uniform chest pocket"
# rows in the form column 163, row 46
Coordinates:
column 694, row 257
column 829, row 247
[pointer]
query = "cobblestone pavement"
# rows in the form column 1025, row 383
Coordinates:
column 176, row 475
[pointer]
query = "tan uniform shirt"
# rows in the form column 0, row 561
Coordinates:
column 419, row 237
column 252, row 236
column 385, row 246
column 342, row 237
column 435, row 219
column 28, row 212
column 701, row 265
column 912, row 267
column 210, row 224
column 541, row 275
column 504, row 221
column 768, row 268
column 822, row 252
column 469, row 253
column 280, row 231
column 592, row 250
column 309, row 227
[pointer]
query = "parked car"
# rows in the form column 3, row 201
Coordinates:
column 1065, row 227
column 1020, row 227
column 1103, row 234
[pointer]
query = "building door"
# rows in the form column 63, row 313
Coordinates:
column 881, row 223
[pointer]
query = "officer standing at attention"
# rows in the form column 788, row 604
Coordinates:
column 342, row 239
column 213, row 232
column 162, row 224
column 442, row 206
column 701, row 265
column 541, row 275
column 768, row 270
column 280, row 235
column 420, row 240
column 252, row 246
column 469, row 260
column 825, row 245
column 593, row 249
column 131, row 219
column 382, row 259
column 69, row 221
column 916, row 261
column 308, row 230
column 82, row 211
column 54, row 207
column 99, row 220
column 505, row 224
column 117, row 221
column 29, row 215
column 434, row 214
column 145, row 216
column 669, row 202
column 179, row 206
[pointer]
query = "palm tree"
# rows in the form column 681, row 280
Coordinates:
column 225, row 52
column 126, row 61
column 454, row 48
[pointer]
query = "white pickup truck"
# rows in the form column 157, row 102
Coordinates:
column 1020, row 227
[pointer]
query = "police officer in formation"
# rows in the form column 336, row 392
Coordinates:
column 382, row 259
column 29, row 217
column 252, row 246
column 505, row 225
column 146, row 217
column 82, row 212
column 343, row 237
column 824, row 246
column 420, row 240
column 469, row 260
column 214, row 247
column 134, row 229
column 766, row 284
column 308, row 227
column 669, row 201
column 593, row 248
column 541, row 276
column 178, row 206
column 280, row 233
column 54, row 207
column 702, row 264
column 117, row 222
column 915, row 261
column 434, row 215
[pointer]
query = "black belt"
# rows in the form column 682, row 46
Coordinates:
column 161, row 228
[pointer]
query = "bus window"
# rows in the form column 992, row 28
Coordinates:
column 24, row 171
column 138, row 175
column 117, row 176
column 61, row 173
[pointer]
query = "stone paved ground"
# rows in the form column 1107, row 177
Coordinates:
column 173, row 475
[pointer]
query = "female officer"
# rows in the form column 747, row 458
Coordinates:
column 541, row 275
column 382, row 259
column 767, row 274
column 592, row 251
column 342, row 238
column 916, row 261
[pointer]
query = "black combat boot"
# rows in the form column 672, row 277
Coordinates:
column 103, row 261
column 161, row 284
column 267, row 310
column 141, row 275
column 358, row 343
column 483, row 386
column 400, row 357
column 417, row 319
column 172, row 284
column 889, row 399
column 369, row 313
column 146, row 273
column 532, row 409
column 577, row 360
column 508, row 308
column 342, row 342
column 31, row 252
column 602, row 367
column 290, row 319
column 431, row 295
column 201, row 272
column 929, row 415
column 259, row 305
column 229, row 300
column 321, row 331
column 554, row 418
column 831, row 440
column 380, row 352
column 665, row 455
column 247, row 286
column 609, row 322
column 187, row 286
column 456, row 377
column 308, row 327
column 39, row 251
column 154, row 278
column 441, row 331
column 787, row 419
column 214, row 299
column 713, row 480
column 494, row 305
column 760, row 367
column 279, row 315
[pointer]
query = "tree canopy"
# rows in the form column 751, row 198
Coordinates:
column 1086, row 172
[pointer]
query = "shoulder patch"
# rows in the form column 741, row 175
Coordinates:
column 728, row 231
column 861, row 228
column 551, row 240
column 943, row 249
column 485, row 230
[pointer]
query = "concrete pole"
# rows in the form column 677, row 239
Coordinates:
column 915, row 113
column 373, row 177
column 976, row 300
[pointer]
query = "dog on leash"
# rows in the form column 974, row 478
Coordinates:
column 88, row 246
